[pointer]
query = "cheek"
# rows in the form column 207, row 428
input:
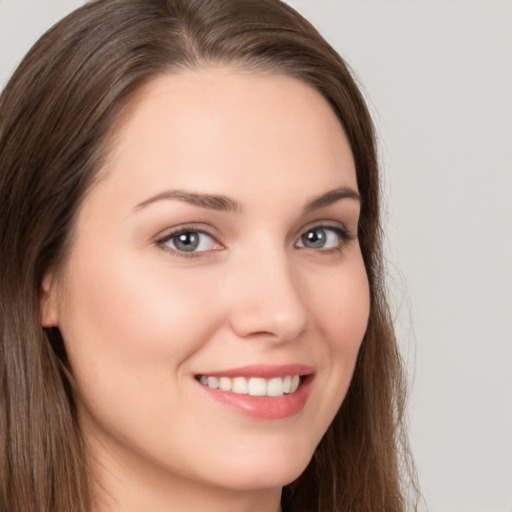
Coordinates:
column 343, row 310
column 129, row 332
column 342, row 318
column 131, row 308
column 122, row 322
column 353, row 313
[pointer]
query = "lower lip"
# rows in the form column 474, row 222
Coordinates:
column 264, row 407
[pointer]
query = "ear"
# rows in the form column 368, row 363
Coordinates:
column 49, row 309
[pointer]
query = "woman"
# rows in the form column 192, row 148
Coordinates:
column 193, row 311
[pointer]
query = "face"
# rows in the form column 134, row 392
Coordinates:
column 215, row 298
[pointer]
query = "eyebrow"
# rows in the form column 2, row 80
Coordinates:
column 223, row 203
column 331, row 197
column 208, row 201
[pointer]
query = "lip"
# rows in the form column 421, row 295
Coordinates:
column 263, row 407
column 264, row 371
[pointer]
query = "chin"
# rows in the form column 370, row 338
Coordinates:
column 264, row 469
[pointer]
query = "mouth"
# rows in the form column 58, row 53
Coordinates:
column 265, row 392
column 254, row 386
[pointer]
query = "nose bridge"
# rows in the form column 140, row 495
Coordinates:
column 268, row 298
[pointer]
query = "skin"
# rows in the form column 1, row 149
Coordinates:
column 140, row 320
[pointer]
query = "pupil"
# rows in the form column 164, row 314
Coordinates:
column 315, row 239
column 187, row 242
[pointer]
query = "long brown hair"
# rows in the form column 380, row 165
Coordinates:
column 56, row 115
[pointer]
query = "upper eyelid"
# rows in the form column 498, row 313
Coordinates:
column 202, row 228
column 185, row 228
column 340, row 230
column 168, row 233
column 326, row 224
column 162, row 242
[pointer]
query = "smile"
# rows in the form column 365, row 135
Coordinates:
column 253, row 386
column 265, row 392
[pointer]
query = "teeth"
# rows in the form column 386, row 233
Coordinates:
column 255, row 386
column 287, row 384
column 240, row 386
column 295, row 383
column 213, row 382
column 225, row 384
column 275, row 387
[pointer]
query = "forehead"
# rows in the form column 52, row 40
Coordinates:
column 215, row 126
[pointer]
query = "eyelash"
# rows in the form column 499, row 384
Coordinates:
column 344, row 235
column 182, row 230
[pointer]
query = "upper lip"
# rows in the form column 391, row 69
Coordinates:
column 264, row 371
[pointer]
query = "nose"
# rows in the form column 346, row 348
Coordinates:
column 268, row 300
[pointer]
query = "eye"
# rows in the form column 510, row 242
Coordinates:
column 190, row 241
column 323, row 237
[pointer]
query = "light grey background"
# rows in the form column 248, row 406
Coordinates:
column 438, row 76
